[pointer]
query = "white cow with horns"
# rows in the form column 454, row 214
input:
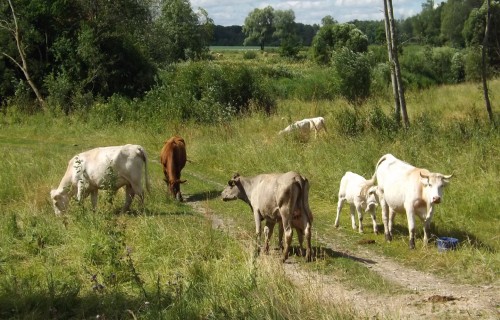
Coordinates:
column 276, row 197
column 101, row 168
column 361, row 195
column 405, row 188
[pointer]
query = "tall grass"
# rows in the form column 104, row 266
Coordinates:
column 168, row 261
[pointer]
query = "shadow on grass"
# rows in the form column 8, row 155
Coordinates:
column 462, row 236
column 69, row 305
column 201, row 196
column 323, row 252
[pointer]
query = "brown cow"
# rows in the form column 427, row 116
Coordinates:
column 173, row 159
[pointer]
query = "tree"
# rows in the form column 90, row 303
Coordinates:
column 259, row 26
column 484, row 50
column 286, row 32
column 453, row 17
column 332, row 37
column 328, row 21
column 392, row 49
column 13, row 28
column 180, row 33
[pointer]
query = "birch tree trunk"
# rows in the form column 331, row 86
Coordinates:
column 392, row 48
column 484, row 75
column 397, row 110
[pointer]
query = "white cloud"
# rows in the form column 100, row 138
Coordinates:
column 230, row 12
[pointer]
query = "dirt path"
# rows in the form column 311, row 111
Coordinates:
column 427, row 296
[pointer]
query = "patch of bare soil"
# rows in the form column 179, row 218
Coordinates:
column 427, row 296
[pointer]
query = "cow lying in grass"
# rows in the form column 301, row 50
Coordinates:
column 361, row 195
column 102, row 168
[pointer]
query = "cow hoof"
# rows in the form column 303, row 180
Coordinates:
column 412, row 244
column 388, row 237
column 308, row 257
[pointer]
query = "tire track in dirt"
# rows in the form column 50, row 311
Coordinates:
column 427, row 296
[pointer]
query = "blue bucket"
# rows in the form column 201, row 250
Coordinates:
column 446, row 243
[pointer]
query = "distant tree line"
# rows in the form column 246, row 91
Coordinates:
column 71, row 54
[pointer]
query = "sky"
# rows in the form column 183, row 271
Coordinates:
column 234, row 12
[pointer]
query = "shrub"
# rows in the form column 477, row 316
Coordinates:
column 207, row 92
column 354, row 74
column 472, row 61
column 382, row 123
column 457, row 68
column 249, row 54
column 381, row 78
column 349, row 123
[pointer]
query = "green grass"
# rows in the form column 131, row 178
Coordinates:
column 168, row 262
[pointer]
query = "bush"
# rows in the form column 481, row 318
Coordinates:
column 382, row 123
column 472, row 61
column 207, row 92
column 349, row 123
column 457, row 68
column 381, row 78
column 249, row 54
column 354, row 74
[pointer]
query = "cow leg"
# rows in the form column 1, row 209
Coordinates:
column 340, row 204
column 410, row 215
column 129, row 195
column 93, row 198
column 287, row 227
column 280, row 235
column 256, row 217
column 268, row 233
column 352, row 209
column 374, row 220
column 360, row 217
column 137, row 190
column 427, row 225
column 307, row 234
column 80, row 194
column 392, row 215
column 385, row 220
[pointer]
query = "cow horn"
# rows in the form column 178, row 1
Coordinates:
column 423, row 175
column 447, row 177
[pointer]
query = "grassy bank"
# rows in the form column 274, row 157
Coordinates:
column 169, row 262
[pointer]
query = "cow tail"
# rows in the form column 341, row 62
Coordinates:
column 373, row 180
column 304, row 197
column 144, row 158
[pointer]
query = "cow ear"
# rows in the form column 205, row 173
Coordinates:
column 182, row 181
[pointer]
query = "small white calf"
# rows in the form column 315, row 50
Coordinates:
column 306, row 125
column 361, row 195
column 101, row 168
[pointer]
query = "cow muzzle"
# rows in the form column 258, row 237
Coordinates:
column 436, row 199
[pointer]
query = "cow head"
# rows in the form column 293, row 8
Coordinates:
column 371, row 198
column 434, row 183
column 233, row 189
column 175, row 188
column 60, row 200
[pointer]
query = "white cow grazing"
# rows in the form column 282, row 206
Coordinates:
column 306, row 126
column 95, row 169
column 405, row 188
column 361, row 195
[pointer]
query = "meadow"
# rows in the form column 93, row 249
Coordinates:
column 169, row 262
